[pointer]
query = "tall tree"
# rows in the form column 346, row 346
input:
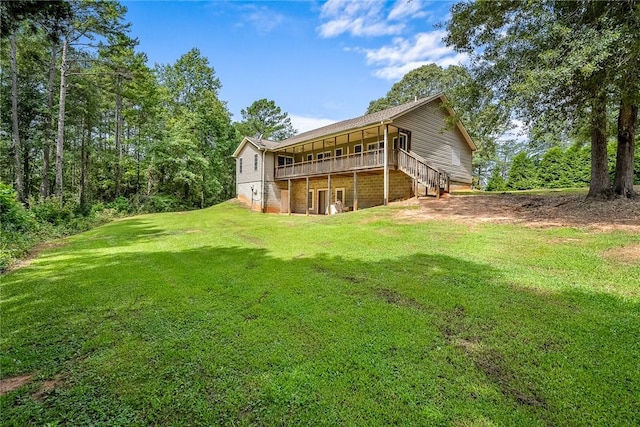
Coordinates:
column 264, row 119
column 545, row 56
column 88, row 20
column 484, row 118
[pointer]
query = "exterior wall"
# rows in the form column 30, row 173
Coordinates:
column 370, row 190
column 433, row 140
column 249, row 183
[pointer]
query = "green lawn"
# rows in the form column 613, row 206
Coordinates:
column 229, row 317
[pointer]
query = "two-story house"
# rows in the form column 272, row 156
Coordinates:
column 398, row 153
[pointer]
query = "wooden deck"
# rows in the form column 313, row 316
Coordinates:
column 410, row 163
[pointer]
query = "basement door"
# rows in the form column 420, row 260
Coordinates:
column 322, row 201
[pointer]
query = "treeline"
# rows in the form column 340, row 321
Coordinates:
column 557, row 168
column 85, row 119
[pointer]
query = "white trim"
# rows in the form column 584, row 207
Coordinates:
column 344, row 195
column 312, row 199
column 255, row 161
column 354, row 148
column 309, row 157
column 341, row 149
column 317, row 207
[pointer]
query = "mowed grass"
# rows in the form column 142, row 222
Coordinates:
column 229, row 317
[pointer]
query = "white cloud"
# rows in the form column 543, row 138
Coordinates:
column 260, row 18
column 406, row 9
column 305, row 123
column 404, row 55
column 358, row 18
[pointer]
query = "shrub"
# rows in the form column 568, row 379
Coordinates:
column 120, row 204
column 522, row 173
column 496, row 181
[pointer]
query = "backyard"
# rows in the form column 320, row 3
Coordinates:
column 467, row 311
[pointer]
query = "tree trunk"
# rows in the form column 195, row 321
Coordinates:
column 60, row 138
column 600, row 186
column 48, row 127
column 14, row 120
column 84, row 164
column 627, row 119
column 118, row 139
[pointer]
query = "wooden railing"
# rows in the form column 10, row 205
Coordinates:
column 373, row 159
column 408, row 162
column 417, row 167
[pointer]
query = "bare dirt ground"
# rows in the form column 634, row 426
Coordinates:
column 549, row 210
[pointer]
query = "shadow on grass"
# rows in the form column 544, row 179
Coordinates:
column 236, row 335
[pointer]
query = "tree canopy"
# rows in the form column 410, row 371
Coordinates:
column 264, row 119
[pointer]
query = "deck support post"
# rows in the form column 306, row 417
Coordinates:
column 415, row 179
column 386, row 165
column 289, row 197
column 355, row 191
column 306, row 209
column 329, row 193
column 438, row 186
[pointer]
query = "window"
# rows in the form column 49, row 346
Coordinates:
column 240, row 165
column 357, row 148
column 309, row 157
column 400, row 141
column 455, row 156
column 285, row 160
column 325, row 155
column 255, row 162
column 338, row 152
column 340, row 195
column 311, row 194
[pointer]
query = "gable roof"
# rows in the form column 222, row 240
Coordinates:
column 379, row 117
column 259, row 143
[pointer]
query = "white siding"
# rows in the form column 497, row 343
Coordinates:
column 434, row 140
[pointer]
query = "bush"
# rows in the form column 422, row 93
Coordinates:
column 496, row 181
column 162, row 203
column 53, row 211
column 522, row 175
column 120, row 204
column 18, row 228
column 13, row 215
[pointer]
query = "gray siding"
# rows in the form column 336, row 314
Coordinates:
column 433, row 140
column 248, row 174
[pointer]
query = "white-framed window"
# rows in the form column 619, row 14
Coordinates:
column 455, row 156
column 285, row 160
column 311, row 199
column 339, row 152
column 240, row 165
column 255, row 162
column 357, row 148
column 339, row 195
column 309, row 157
column 400, row 141
column 325, row 155
column 375, row 146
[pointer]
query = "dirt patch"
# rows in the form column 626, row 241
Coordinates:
column 193, row 231
column 551, row 210
column 629, row 254
column 47, row 386
column 395, row 298
column 7, row 385
column 33, row 254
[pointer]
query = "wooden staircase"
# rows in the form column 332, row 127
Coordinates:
column 427, row 180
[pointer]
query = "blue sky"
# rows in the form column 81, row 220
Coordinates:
column 319, row 61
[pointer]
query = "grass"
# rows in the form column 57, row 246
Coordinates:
column 229, row 317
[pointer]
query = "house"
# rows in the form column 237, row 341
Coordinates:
column 394, row 154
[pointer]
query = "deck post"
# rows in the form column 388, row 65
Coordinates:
column 386, row 165
column 329, row 193
column 306, row 209
column 438, row 186
column 289, row 197
column 355, row 190
column 415, row 179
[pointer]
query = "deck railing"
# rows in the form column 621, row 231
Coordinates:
column 372, row 159
column 417, row 167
